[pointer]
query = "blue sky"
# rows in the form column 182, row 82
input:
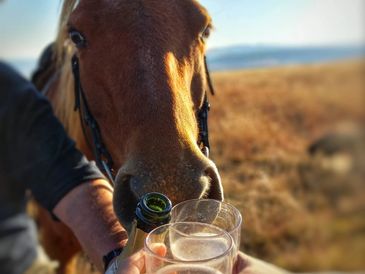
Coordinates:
column 27, row 26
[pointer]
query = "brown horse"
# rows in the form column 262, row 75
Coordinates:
column 141, row 71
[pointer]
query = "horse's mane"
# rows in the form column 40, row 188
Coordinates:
column 63, row 98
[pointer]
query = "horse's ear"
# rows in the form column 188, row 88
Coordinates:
column 46, row 67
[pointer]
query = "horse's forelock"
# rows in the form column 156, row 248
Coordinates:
column 63, row 52
column 67, row 7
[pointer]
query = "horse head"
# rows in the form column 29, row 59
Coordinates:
column 141, row 66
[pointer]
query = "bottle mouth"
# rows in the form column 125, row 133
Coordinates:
column 156, row 203
column 154, row 209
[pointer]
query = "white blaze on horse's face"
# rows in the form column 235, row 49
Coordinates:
column 142, row 71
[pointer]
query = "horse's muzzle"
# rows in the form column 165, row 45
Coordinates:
column 130, row 188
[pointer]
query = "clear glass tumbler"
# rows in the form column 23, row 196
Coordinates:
column 191, row 248
column 220, row 214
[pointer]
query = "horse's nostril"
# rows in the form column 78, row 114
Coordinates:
column 216, row 190
column 124, row 199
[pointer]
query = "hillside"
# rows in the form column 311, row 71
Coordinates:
column 289, row 144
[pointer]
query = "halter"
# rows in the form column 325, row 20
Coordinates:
column 102, row 156
column 203, row 140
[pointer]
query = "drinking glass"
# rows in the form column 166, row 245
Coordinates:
column 220, row 214
column 191, row 248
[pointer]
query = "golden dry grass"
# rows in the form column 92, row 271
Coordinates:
column 301, row 212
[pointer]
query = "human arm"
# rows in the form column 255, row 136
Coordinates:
column 40, row 157
column 88, row 211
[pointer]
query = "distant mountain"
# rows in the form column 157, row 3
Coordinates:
column 245, row 57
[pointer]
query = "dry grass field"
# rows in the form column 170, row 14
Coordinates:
column 303, row 208
column 290, row 146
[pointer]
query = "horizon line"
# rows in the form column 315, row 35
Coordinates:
column 252, row 45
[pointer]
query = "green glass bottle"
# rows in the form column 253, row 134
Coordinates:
column 153, row 210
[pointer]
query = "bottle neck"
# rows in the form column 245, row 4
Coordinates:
column 153, row 210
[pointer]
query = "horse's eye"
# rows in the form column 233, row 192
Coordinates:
column 77, row 38
column 204, row 35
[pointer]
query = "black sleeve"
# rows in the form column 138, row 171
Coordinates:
column 40, row 154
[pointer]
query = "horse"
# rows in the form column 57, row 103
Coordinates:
column 129, row 82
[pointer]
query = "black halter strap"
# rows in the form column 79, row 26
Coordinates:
column 203, row 141
column 101, row 154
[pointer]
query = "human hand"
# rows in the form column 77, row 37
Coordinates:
column 134, row 264
column 245, row 264
column 249, row 265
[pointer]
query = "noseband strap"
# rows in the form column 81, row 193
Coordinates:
column 102, row 156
